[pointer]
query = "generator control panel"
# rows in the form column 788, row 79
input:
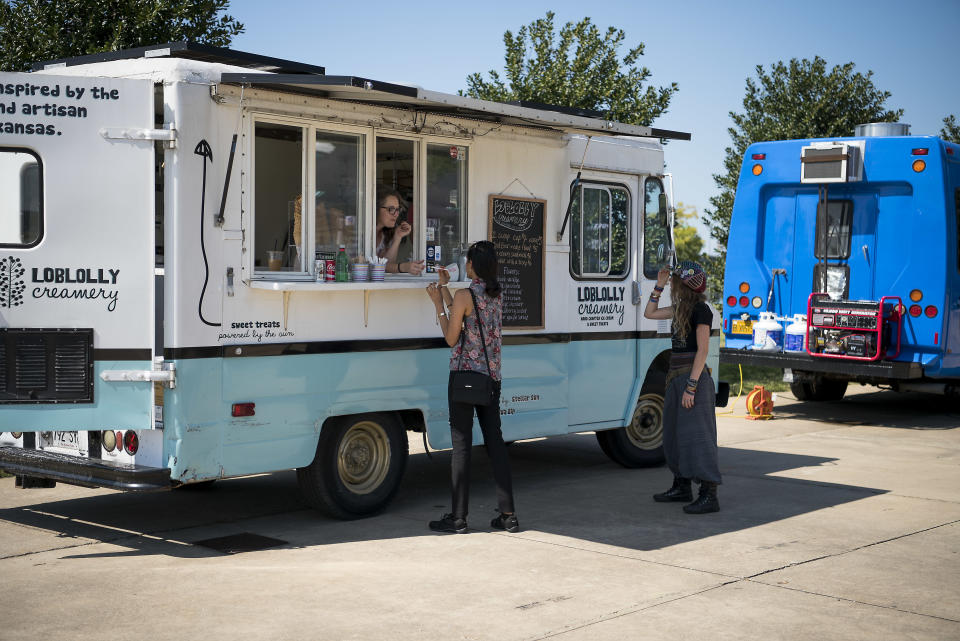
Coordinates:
column 853, row 329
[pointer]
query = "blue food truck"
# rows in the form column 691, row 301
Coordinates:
column 855, row 240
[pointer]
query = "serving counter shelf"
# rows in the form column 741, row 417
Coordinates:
column 287, row 287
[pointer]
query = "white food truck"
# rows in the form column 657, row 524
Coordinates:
column 162, row 321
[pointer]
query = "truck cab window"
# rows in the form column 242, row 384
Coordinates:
column 278, row 185
column 21, row 216
column 599, row 225
column 656, row 228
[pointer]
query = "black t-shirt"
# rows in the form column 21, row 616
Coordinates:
column 701, row 315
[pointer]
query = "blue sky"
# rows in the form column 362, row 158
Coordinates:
column 708, row 48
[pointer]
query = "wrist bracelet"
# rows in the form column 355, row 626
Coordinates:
column 658, row 288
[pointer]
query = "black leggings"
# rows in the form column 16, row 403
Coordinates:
column 461, row 433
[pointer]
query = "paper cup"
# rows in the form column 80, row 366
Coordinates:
column 376, row 272
column 361, row 272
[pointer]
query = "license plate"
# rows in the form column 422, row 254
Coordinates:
column 742, row 327
column 66, row 440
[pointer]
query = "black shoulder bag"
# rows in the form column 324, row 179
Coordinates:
column 474, row 388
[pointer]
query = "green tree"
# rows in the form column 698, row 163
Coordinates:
column 686, row 241
column 37, row 30
column 799, row 99
column 579, row 68
column 950, row 130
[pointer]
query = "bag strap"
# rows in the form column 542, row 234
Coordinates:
column 483, row 343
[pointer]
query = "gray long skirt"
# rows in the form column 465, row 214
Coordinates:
column 690, row 435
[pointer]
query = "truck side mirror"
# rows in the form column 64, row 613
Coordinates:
column 662, row 210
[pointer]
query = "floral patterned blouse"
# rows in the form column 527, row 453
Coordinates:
column 490, row 312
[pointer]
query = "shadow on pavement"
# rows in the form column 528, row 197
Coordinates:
column 880, row 408
column 564, row 486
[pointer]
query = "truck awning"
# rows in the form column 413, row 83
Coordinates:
column 353, row 88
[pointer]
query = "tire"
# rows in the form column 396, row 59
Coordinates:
column 819, row 389
column 358, row 466
column 639, row 444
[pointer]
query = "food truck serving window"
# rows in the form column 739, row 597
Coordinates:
column 600, row 225
column 21, row 198
column 289, row 230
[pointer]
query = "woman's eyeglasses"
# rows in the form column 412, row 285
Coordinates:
column 392, row 210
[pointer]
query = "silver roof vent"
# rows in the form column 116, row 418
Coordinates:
column 882, row 129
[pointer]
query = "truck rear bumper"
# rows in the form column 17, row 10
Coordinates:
column 83, row 471
column 804, row 362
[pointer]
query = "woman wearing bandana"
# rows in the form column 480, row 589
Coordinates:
column 689, row 422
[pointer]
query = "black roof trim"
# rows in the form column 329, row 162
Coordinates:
column 191, row 51
column 323, row 84
column 570, row 111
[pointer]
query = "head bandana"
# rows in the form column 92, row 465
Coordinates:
column 692, row 275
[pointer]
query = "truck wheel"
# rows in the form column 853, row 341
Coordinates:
column 358, row 466
column 639, row 444
column 819, row 389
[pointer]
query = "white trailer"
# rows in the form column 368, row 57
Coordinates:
column 161, row 321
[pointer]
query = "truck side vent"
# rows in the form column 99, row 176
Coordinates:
column 46, row 366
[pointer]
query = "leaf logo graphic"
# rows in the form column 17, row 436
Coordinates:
column 12, row 284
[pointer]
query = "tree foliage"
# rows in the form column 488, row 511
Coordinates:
column 799, row 99
column 950, row 130
column 579, row 67
column 37, row 30
column 686, row 241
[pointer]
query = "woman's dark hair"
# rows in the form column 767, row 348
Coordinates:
column 483, row 256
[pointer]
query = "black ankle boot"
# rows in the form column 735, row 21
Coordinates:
column 707, row 500
column 679, row 491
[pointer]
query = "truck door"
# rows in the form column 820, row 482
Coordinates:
column 835, row 246
column 603, row 345
column 76, row 252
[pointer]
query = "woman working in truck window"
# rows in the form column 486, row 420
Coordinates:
column 391, row 232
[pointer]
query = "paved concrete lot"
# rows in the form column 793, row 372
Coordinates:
column 839, row 521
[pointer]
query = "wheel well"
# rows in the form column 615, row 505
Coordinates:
column 656, row 378
column 411, row 420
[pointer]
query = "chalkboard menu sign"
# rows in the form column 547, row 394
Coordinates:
column 517, row 228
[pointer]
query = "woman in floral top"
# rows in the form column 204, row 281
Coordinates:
column 467, row 353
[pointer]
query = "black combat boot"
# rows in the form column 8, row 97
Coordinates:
column 707, row 500
column 679, row 491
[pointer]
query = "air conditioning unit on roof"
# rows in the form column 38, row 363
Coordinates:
column 831, row 162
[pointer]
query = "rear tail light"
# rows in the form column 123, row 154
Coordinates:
column 916, row 295
column 920, row 151
column 243, row 409
column 757, row 170
column 915, row 310
column 744, row 287
column 109, row 440
column 757, row 302
column 732, row 301
column 919, row 165
column 759, row 156
column 930, row 311
column 744, row 301
column 130, row 442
